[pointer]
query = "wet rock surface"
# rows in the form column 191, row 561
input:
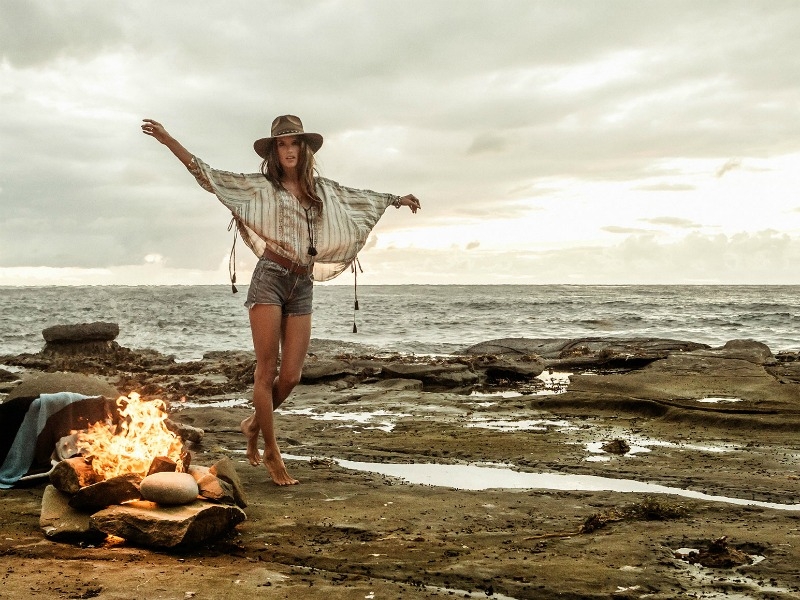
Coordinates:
column 719, row 421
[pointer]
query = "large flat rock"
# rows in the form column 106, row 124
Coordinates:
column 148, row 524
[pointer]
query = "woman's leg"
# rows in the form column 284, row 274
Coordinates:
column 265, row 324
column 295, row 337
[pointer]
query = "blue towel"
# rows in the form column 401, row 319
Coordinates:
column 20, row 455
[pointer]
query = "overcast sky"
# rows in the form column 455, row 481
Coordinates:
column 549, row 141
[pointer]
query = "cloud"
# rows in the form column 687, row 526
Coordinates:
column 667, row 187
column 478, row 111
column 625, row 230
column 677, row 222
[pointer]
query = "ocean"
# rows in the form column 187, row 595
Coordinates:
column 187, row 321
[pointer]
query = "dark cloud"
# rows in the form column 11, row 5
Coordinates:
column 475, row 108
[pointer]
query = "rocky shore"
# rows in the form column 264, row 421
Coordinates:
column 509, row 470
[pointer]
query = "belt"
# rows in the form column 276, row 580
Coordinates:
column 286, row 263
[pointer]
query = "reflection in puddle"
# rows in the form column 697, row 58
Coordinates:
column 361, row 418
column 713, row 400
column 215, row 404
column 554, row 382
column 600, row 455
column 642, row 445
column 501, row 394
column 525, row 425
column 475, row 477
column 547, row 383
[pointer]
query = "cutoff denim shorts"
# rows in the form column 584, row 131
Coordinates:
column 274, row 284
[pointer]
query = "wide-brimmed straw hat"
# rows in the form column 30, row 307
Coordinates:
column 283, row 126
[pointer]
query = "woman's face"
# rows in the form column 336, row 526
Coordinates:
column 288, row 152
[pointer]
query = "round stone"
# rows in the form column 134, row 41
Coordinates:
column 169, row 488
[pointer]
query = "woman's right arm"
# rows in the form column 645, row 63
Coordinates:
column 156, row 130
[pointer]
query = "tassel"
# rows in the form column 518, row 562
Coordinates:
column 356, row 266
column 232, row 258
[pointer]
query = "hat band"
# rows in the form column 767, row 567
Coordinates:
column 287, row 131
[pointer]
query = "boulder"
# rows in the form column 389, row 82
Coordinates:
column 750, row 350
column 443, row 375
column 169, row 488
column 563, row 352
column 510, row 367
column 321, row 370
column 548, row 348
column 225, row 470
column 8, row 376
column 52, row 383
column 105, row 493
column 81, row 332
column 60, row 522
column 147, row 524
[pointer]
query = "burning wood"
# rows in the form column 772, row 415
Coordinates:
column 132, row 444
column 120, row 459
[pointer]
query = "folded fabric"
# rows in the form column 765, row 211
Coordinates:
column 21, row 454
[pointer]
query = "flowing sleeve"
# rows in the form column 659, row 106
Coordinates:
column 349, row 216
column 249, row 197
column 364, row 206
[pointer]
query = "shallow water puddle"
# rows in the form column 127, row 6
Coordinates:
column 476, row 477
column 555, row 382
column 600, row 455
column 720, row 400
column 524, row 425
column 500, row 394
column 375, row 419
column 229, row 403
column 641, row 445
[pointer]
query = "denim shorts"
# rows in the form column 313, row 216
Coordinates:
column 274, row 284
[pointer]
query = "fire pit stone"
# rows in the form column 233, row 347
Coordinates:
column 62, row 523
column 147, row 524
column 169, row 488
column 109, row 491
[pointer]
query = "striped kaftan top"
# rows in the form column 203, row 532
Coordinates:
column 270, row 217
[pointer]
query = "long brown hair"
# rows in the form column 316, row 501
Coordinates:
column 271, row 169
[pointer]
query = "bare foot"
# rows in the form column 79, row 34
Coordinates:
column 250, row 430
column 277, row 470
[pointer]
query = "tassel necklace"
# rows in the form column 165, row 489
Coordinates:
column 312, row 245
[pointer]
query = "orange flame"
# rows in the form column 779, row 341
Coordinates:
column 131, row 445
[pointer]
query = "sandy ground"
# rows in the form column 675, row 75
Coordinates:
column 348, row 533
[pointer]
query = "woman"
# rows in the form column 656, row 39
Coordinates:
column 302, row 228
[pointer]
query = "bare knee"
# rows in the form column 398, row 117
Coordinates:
column 264, row 376
column 289, row 381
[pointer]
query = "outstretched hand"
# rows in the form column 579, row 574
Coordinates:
column 411, row 201
column 155, row 129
